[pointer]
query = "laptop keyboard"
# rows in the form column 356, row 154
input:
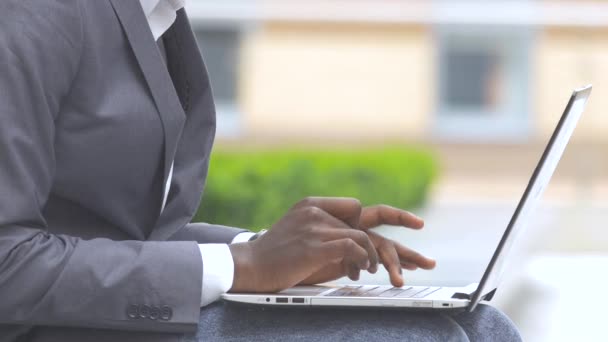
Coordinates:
column 383, row 291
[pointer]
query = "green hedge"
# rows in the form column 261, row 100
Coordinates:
column 253, row 189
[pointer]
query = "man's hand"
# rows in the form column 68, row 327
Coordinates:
column 393, row 255
column 322, row 239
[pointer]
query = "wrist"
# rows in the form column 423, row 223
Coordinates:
column 244, row 274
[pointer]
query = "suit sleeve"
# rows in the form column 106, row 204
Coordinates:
column 207, row 233
column 58, row 280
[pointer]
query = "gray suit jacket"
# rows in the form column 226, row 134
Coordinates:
column 90, row 120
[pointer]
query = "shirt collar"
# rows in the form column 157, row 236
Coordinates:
column 161, row 14
column 149, row 5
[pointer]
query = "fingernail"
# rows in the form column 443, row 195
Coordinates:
column 367, row 265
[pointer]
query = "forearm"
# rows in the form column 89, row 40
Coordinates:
column 122, row 285
column 207, row 233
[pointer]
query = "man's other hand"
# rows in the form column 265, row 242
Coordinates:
column 323, row 239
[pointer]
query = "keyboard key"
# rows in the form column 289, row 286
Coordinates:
column 362, row 292
column 395, row 291
column 419, row 292
column 377, row 291
column 343, row 291
column 426, row 292
column 412, row 291
column 339, row 293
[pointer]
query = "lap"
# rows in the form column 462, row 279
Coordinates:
column 487, row 323
column 222, row 321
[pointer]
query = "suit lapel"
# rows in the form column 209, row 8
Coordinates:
column 192, row 83
column 171, row 113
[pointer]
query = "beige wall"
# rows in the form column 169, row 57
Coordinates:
column 377, row 81
column 337, row 80
column 566, row 58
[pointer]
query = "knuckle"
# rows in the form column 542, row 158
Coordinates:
column 313, row 230
column 349, row 244
column 383, row 210
column 360, row 236
column 375, row 207
column 355, row 202
column 313, row 212
column 306, row 202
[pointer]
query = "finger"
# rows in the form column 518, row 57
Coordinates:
column 406, row 255
column 360, row 237
column 383, row 214
column 346, row 251
column 390, row 260
column 353, row 273
column 410, row 256
column 331, row 228
column 348, row 210
column 409, row 266
column 376, row 240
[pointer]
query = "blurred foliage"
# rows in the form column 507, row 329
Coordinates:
column 253, row 189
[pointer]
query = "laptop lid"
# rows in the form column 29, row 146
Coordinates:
column 531, row 197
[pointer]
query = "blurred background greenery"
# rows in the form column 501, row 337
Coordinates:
column 254, row 188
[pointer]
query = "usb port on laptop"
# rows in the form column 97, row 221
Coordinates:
column 282, row 300
column 297, row 300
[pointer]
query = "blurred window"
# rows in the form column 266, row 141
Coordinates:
column 220, row 47
column 474, row 79
column 483, row 83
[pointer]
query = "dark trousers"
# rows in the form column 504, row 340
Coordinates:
column 228, row 322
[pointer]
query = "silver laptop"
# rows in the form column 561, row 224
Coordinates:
column 436, row 297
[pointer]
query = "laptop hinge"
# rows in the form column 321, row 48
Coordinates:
column 469, row 295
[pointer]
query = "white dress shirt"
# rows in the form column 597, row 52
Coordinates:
column 218, row 272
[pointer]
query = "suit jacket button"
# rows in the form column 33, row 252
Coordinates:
column 144, row 311
column 154, row 313
column 166, row 313
column 133, row 311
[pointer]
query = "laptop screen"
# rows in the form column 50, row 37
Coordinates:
column 536, row 187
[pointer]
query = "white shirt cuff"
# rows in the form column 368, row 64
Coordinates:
column 218, row 271
column 242, row 237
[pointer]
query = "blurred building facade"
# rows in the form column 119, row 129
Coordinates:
column 448, row 71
